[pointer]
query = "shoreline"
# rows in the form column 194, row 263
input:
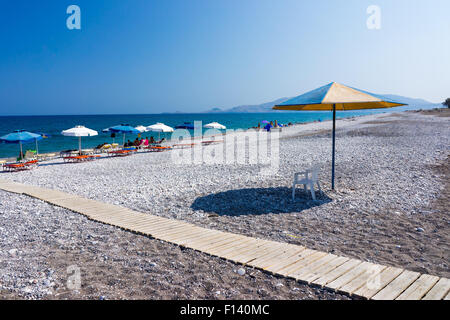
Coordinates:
column 229, row 132
column 57, row 150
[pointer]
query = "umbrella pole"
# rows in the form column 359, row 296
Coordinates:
column 21, row 152
column 124, row 140
column 37, row 150
column 334, row 146
column 79, row 145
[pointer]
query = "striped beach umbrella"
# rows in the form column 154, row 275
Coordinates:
column 332, row 97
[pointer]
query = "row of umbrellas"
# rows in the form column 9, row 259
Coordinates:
column 22, row 136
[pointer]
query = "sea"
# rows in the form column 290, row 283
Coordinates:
column 55, row 142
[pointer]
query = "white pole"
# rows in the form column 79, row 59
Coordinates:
column 37, row 150
column 79, row 144
column 124, row 140
column 21, row 152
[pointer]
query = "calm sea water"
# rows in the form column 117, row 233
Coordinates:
column 53, row 125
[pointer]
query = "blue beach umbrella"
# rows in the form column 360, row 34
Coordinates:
column 20, row 137
column 124, row 129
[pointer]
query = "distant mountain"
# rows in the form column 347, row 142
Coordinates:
column 267, row 106
column 215, row 110
column 406, row 100
column 263, row 107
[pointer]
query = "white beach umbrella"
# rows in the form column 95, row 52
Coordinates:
column 214, row 125
column 141, row 128
column 159, row 127
column 79, row 131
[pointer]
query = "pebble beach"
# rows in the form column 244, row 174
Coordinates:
column 390, row 207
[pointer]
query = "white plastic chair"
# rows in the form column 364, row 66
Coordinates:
column 307, row 181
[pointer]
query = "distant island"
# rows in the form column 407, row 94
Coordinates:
column 267, row 106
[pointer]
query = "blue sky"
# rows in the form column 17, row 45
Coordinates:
column 191, row 55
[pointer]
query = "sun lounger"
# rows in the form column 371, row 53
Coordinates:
column 184, row 145
column 87, row 151
column 158, row 148
column 20, row 166
column 103, row 148
column 122, row 153
column 82, row 158
column 211, row 142
column 69, row 153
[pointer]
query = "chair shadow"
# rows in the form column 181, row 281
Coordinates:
column 258, row 201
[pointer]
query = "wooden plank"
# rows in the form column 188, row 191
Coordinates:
column 199, row 244
column 345, row 278
column 244, row 246
column 273, row 258
column 202, row 234
column 286, row 262
column 158, row 228
column 231, row 247
column 439, row 290
column 217, row 246
column 396, row 287
column 324, row 269
column 261, row 247
column 337, row 272
column 149, row 223
column 265, row 248
column 304, row 273
column 419, row 288
column 205, row 234
column 377, row 282
column 302, row 263
column 184, row 231
column 218, row 239
column 166, row 230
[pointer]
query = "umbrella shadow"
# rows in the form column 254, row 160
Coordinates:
column 258, row 201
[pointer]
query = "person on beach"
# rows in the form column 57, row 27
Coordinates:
column 136, row 142
column 146, row 142
column 152, row 140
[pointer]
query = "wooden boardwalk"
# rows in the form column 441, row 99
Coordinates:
column 340, row 274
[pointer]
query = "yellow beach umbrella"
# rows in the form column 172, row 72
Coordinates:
column 332, row 97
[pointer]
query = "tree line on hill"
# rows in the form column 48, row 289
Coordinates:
column 447, row 103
